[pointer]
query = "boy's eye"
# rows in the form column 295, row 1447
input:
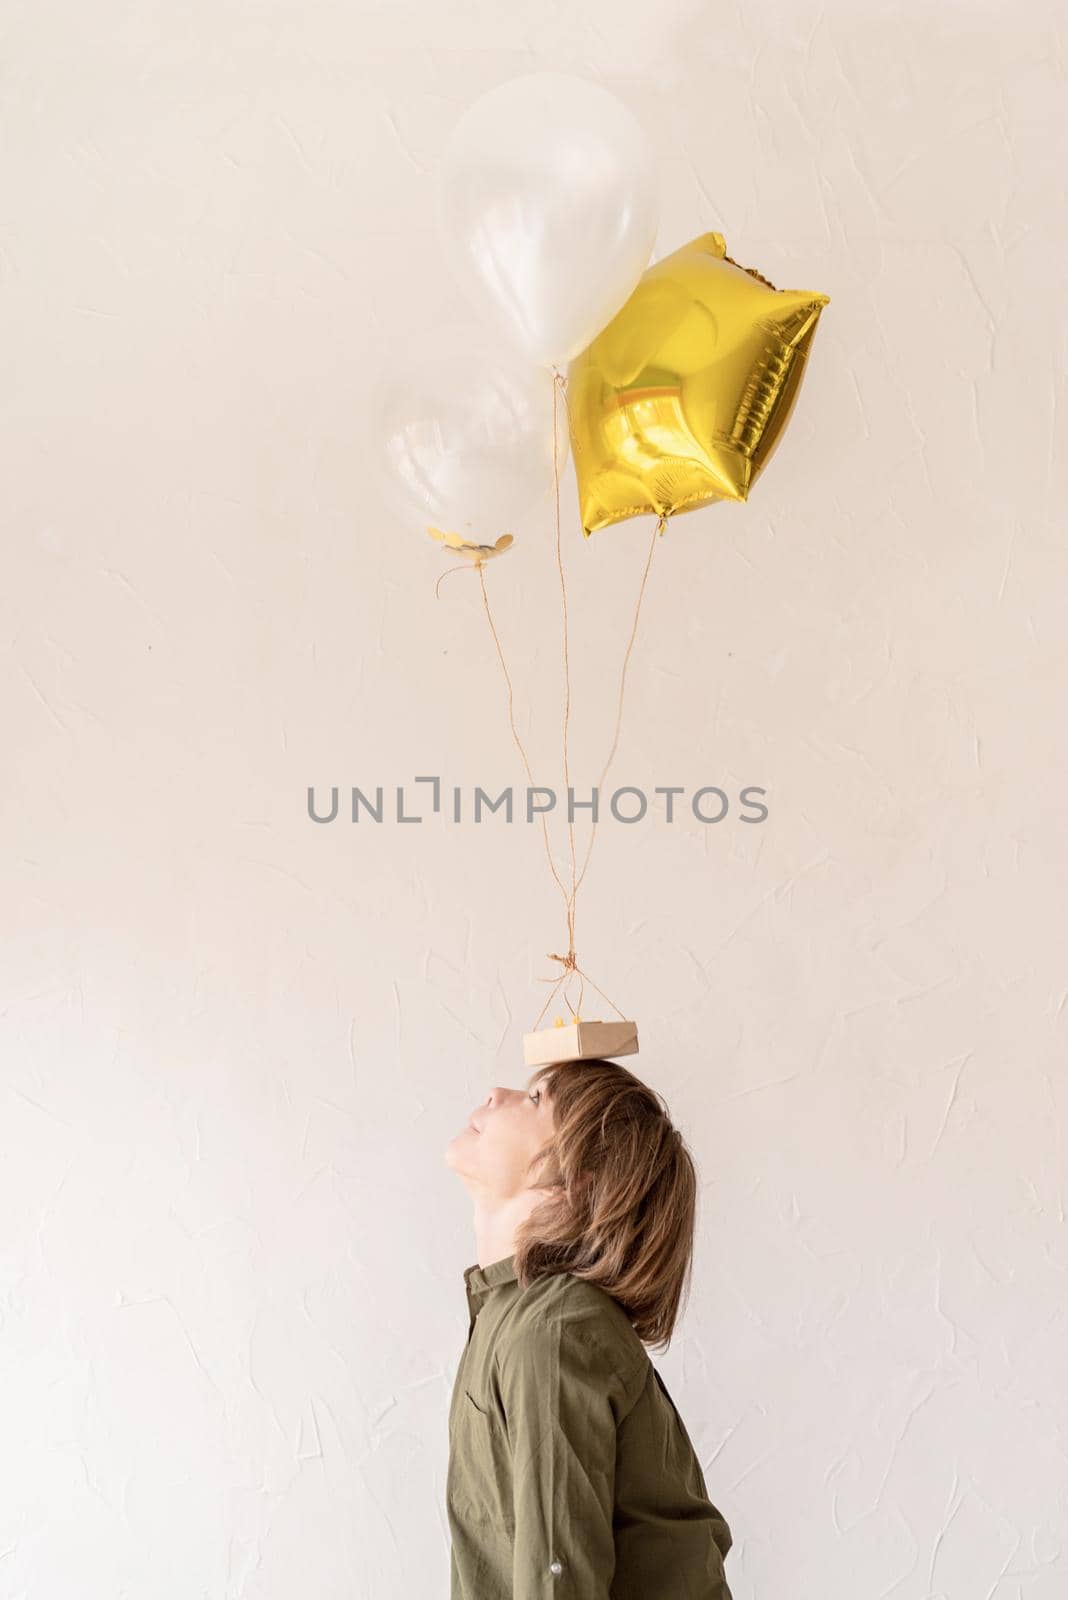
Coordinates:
column 535, row 1095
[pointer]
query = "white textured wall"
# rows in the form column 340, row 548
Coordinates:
column 234, row 1044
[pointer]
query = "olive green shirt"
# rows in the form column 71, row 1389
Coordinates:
column 571, row 1475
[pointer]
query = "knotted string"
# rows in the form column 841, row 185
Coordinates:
column 569, row 962
column 559, row 384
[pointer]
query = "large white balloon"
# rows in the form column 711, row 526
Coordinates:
column 548, row 205
column 465, row 434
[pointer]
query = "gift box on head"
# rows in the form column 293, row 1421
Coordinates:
column 580, row 1041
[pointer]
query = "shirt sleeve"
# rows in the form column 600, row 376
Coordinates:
column 559, row 1390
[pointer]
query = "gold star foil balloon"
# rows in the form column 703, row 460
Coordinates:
column 682, row 398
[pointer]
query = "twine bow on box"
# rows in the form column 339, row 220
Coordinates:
column 570, row 965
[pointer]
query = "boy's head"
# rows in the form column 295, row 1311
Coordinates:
column 618, row 1184
column 495, row 1155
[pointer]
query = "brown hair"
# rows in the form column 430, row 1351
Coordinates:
column 624, row 1211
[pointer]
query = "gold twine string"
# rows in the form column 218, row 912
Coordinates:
column 661, row 524
column 511, row 722
column 559, row 382
column 461, row 567
column 568, row 961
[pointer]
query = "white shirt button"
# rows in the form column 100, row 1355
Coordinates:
column 556, row 1567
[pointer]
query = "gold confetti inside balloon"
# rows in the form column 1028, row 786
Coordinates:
column 681, row 399
column 469, row 549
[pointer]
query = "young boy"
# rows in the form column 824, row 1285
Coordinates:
column 571, row 1475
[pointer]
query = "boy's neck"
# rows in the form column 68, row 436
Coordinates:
column 496, row 1223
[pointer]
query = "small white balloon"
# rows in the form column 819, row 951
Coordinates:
column 465, row 431
column 548, row 205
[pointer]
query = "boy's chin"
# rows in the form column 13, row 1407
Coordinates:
column 454, row 1150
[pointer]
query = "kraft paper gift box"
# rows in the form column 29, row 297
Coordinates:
column 580, row 1041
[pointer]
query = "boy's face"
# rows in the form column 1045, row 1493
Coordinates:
column 493, row 1152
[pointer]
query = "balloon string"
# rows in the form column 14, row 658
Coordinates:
column 659, row 529
column 511, row 721
column 570, row 964
column 559, row 381
column 462, row 567
column 568, row 961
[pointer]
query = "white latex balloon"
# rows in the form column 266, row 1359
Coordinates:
column 465, row 435
column 548, row 205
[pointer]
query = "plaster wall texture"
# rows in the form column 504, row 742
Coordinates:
column 234, row 1043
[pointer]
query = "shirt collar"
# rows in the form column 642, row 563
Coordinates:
column 479, row 1281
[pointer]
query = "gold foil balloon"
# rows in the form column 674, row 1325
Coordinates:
column 681, row 399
